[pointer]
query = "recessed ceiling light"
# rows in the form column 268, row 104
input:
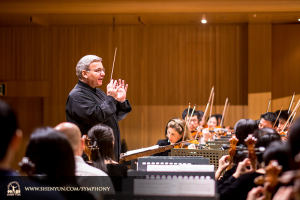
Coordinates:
column 203, row 21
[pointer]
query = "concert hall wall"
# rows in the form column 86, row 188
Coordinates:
column 166, row 66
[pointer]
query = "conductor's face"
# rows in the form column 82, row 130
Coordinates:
column 95, row 75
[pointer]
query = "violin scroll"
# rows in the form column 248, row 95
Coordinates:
column 27, row 166
column 251, row 141
column 89, row 149
column 232, row 151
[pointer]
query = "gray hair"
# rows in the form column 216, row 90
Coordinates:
column 84, row 64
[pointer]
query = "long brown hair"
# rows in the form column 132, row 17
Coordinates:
column 179, row 126
column 103, row 137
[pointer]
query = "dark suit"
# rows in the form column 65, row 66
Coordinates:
column 87, row 106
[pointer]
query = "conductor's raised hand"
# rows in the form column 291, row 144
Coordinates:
column 122, row 91
column 112, row 88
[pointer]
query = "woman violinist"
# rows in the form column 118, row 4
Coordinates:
column 177, row 132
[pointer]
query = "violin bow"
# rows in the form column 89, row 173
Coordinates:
column 293, row 118
column 188, row 112
column 187, row 125
column 112, row 71
column 268, row 104
column 211, row 106
column 207, row 105
column 277, row 117
column 226, row 102
column 295, row 109
column 290, row 106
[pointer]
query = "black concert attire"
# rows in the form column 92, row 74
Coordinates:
column 117, row 172
column 235, row 189
column 163, row 142
column 87, row 106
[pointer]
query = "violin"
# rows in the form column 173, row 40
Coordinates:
column 251, row 141
column 185, row 144
column 270, row 180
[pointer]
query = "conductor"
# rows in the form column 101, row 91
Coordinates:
column 87, row 105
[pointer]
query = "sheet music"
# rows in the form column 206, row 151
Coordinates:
column 181, row 168
column 174, row 187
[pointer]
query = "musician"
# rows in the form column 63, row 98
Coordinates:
column 282, row 120
column 53, row 157
column 242, row 129
column 87, row 105
column 267, row 120
column 11, row 139
column 196, row 119
column 212, row 121
column 178, row 133
column 242, row 181
column 219, row 118
column 87, row 175
column 102, row 136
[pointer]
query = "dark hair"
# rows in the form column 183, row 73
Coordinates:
column 219, row 118
column 103, row 137
column 269, row 116
column 257, row 122
column 280, row 151
column 264, row 138
column 8, row 124
column 199, row 114
column 52, row 155
column 243, row 128
column 294, row 137
column 283, row 115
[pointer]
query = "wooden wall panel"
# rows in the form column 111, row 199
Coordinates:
column 30, row 116
column 23, row 53
column 166, row 67
column 285, row 60
column 259, row 68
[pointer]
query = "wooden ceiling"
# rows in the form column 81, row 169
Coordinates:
column 151, row 12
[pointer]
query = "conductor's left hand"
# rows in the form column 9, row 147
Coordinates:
column 122, row 91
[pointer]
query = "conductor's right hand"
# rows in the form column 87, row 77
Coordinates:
column 112, row 88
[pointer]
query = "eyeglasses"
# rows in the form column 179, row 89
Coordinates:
column 194, row 120
column 98, row 70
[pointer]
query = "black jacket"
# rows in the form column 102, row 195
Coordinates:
column 87, row 106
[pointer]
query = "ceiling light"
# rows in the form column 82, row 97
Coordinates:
column 203, row 21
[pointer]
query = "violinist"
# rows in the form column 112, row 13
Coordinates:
column 103, row 137
column 267, row 120
column 177, row 132
column 242, row 129
column 84, row 172
column 53, row 157
column 242, row 181
column 195, row 124
column 196, row 119
column 282, row 120
column 212, row 122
